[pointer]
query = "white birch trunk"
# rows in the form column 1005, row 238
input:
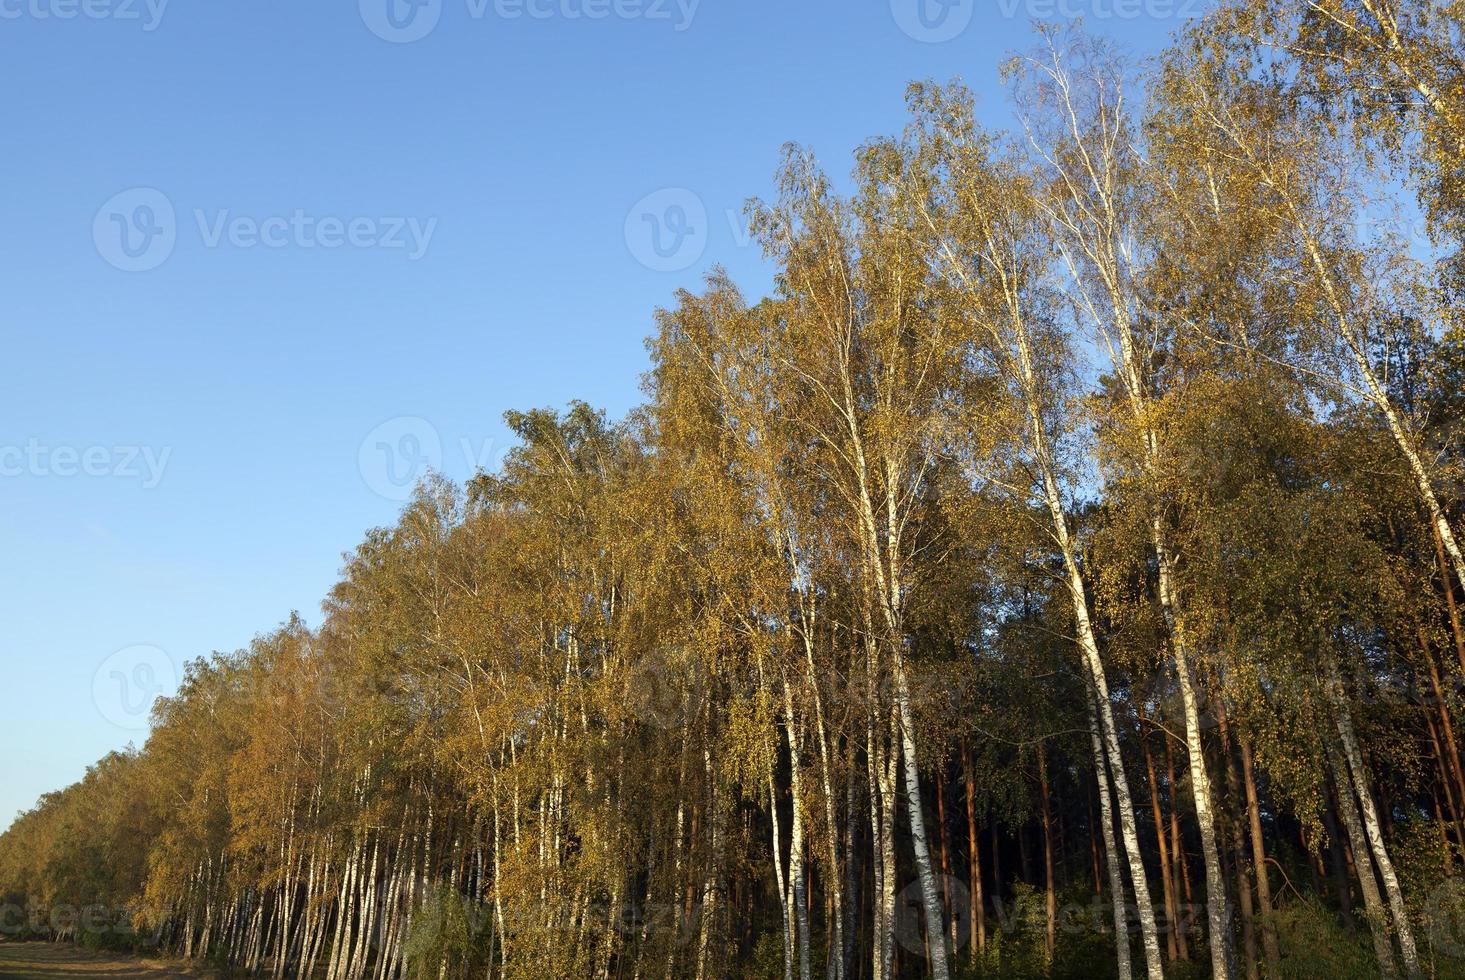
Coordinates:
column 1111, row 856
column 1354, row 758
column 780, row 882
column 1373, row 906
column 1218, row 906
column 799, row 898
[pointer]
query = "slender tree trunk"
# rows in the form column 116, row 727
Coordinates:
column 1354, row 759
column 1218, row 911
column 978, row 906
column 710, row 890
column 877, row 857
column 1181, row 863
column 1094, row 841
column 941, row 838
column 1451, row 609
column 800, row 898
column 1373, row 906
column 780, row 881
column 1259, row 857
column 1089, row 648
column 1238, row 850
column 890, row 754
column 1445, row 782
column 1166, row 872
column 931, row 898
column 834, row 885
column 1128, row 826
column 854, row 875
column 885, row 590
column 1451, row 765
column 1051, row 934
column 1111, row 855
column 880, row 764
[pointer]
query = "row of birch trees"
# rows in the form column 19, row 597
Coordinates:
column 1059, row 574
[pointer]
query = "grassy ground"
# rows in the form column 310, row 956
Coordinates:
column 49, row 961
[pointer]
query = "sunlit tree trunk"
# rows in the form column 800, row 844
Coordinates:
column 1359, row 782
column 780, row 882
column 1167, row 878
column 1090, row 228
column 1117, row 901
column 1259, row 857
column 799, row 898
column 978, row 911
column 1373, row 906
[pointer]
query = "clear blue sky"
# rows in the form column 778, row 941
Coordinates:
column 373, row 245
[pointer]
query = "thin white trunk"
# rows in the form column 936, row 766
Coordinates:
column 1218, row 906
column 885, row 589
column 709, row 910
column 1373, row 906
column 1128, row 365
column 1008, row 331
column 1111, row 856
column 1354, row 757
column 1089, row 649
column 799, row 899
column 930, row 891
column 780, row 882
column 880, row 926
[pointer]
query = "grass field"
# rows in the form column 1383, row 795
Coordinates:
column 50, row 961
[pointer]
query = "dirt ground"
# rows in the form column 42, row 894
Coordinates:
column 50, row 961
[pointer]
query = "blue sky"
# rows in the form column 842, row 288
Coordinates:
column 264, row 259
